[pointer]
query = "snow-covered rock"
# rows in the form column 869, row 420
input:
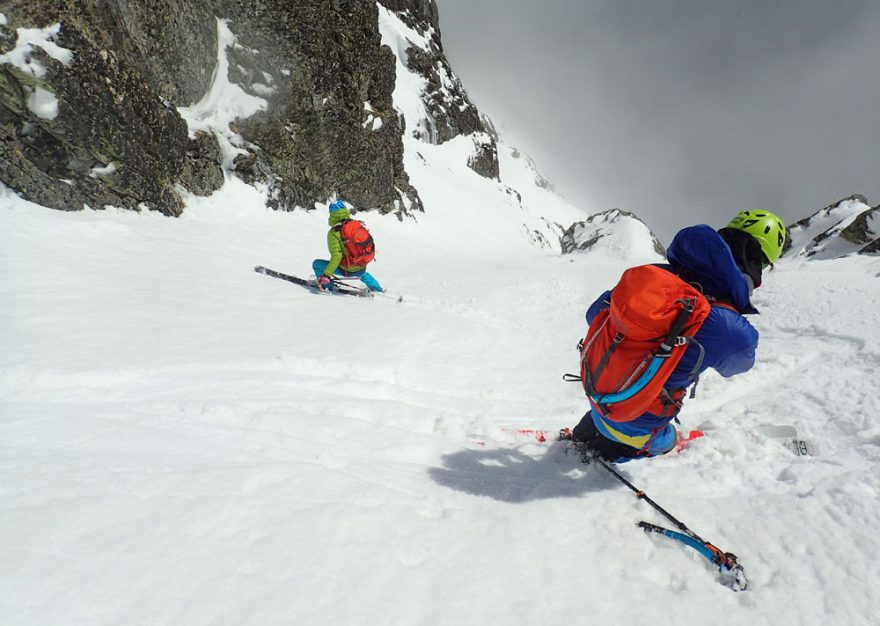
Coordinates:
column 846, row 227
column 615, row 234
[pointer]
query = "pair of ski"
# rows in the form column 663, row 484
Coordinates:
column 342, row 285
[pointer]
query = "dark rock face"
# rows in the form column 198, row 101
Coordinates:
column 484, row 160
column 859, row 231
column 329, row 126
column 202, row 173
column 419, row 14
column 451, row 113
column 109, row 118
column 873, row 247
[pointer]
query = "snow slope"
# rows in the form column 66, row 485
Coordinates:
column 184, row 441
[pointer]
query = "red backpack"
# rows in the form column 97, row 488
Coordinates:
column 632, row 346
column 358, row 246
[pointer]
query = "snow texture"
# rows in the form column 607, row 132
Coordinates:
column 107, row 170
column 40, row 101
column 27, row 39
column 224, row 103
column 43, row 103
column 186, row 441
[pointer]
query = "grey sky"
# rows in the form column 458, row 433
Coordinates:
column 681, row 110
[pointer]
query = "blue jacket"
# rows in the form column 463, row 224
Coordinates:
column 729, row 340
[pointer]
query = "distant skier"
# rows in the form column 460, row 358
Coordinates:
column 718, row 272
column 351, row 249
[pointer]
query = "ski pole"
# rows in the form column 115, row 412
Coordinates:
column 732, row 572
column 643, row 496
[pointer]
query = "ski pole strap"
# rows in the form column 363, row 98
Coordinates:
column 699, row 546
column 731, row 571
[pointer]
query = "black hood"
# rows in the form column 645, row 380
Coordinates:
column 747, row 253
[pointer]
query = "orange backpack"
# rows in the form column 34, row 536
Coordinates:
column 632, row 346
column 357, row 244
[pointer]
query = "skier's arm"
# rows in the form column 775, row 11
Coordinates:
column 602, row 302
column 740, row 355
column 334, row 245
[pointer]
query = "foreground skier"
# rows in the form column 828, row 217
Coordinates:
column 631, row 414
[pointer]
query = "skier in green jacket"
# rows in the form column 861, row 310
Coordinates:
column 351, row 249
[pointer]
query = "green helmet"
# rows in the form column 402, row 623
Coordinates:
column 764, row 226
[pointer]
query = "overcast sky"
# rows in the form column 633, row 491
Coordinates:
column 681, row 111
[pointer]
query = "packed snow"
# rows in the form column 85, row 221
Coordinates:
column 186, row 441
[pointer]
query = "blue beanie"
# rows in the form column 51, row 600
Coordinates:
column 337, row 205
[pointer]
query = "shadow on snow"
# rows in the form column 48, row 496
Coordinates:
column 508, row 475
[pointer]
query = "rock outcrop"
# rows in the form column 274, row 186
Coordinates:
column 614, row 233
column 449, row 111
column 846, row 227
column 79, row 122
column 101, row 124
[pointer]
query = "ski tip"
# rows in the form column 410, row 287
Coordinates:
column 683, row 440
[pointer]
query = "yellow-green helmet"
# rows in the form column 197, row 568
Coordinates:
column 764, row 226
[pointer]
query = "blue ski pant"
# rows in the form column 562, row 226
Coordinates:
column 319, row 265
column 620, row 441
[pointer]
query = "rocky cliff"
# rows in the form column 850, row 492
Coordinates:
column 119, row 102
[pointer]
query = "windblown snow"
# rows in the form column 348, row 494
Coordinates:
column 184, row 441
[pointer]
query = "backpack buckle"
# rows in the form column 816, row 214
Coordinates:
column 681, row 341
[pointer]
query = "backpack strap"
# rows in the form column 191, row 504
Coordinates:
column 723, row 303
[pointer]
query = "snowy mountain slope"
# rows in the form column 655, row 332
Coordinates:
column 525, row 190
column 185, row 441
column 843, row 228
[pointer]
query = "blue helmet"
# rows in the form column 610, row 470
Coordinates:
column 337, row 205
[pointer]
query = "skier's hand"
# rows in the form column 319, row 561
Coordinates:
column 323, row 281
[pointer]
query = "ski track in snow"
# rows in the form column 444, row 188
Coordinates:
column 184, row 441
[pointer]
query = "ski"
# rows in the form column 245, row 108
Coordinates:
column 311, row 285
column 790, row 439
column 682, row 439
column 511, row 435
